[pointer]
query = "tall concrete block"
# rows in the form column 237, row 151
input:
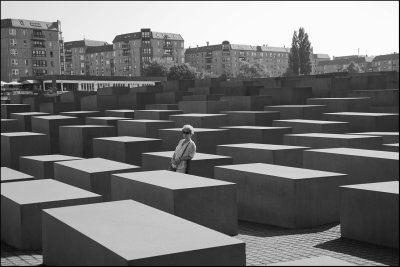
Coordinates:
column 125, row 149
column 263, row 153
column 42, row 166
column 126, row 113
column 391, row 147
column 362, row 165
column 208, row 202
column 99, row 102
column 22, row 204
column 313, row 126
column 199, row 120
column 370, row 213
column 155, row 114
column 210, row 106
column 91, row 174
column 170, row 97
column 365, row 122
column 308, row 112
column 288, row 95
column 56, row 107
column 257, row 134
column 77, row 140
column 388, row 137
column 247, row 102
column 201, row 97
column 82, row 115
column 50, row 125
column 135, row 101
column 35, row 101
column 9, row 125
column 201, row 165
column 9, row 175
column 284, row 196
column 142, row 128
column 75, row 97
column 25, row 119
column 16, row 144
column 206, row 139
column 7, row 109
column 324, row 140
column 381, row 97
column 251, row 118
column 162, row 106
column 108, row 121
column 361, row 104
column 119, row 238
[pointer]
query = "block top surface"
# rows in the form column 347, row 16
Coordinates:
column 12, row 134
column 385, row 187
column 315, row 261
column 366, row 114
column 338, row 136
column 87, row 126
column 107, row 118
column 295, row 106
column 280, row 171
column 54, row 117
column 80, row 112
column 392, row 145
column 263, row 146
column 135, row 231
column 148, row 121
column 197, row 156
column 8, row 174
column 31, row 113
column 248, row 112
column 340, row 98
column 359, row 152
column 51, row 158
column 94, row 165
column 42, row 190
column 9, row 119
column 255, row 127
column 196, row 130
column 127, row 139
column 313, row 121
column 15, row 105
column 379, row 133
column 121, row 110
column 160, row 110
column 198, row 115
column 172, row 180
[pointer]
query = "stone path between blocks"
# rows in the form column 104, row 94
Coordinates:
column 268, row 244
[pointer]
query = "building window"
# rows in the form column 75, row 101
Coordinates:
column 82, row 72
column 39, row 63
column 25, row 43
column 51, row 53
column 52, row 63
column 13, row 52
column 50, row 44
column 15, row 71
column 81, row 50
column 146, row 34
column 26, row 62
column 81, row 57
column 14, row 61
column 12, row 31
column 13, row 42
column 38, row 53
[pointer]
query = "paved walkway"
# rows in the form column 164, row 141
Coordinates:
column 268, row 244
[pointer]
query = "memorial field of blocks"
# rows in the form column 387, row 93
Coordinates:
column 293, row 152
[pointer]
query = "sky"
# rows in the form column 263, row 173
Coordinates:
column 337, row 28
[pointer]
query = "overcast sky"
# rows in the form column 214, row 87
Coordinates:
column 335, row 28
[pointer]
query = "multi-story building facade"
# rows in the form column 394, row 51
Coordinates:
column 227, row 58
column 315, row 59
column 134, row 50
column 387, row 62
column 100, row 60
column 30, row 48
column 339, row 64
column 75, row 52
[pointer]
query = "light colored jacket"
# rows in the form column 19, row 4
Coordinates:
column 182, row 151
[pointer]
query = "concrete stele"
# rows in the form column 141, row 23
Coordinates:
column 10, row 175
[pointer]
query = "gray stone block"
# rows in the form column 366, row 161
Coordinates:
column 91, row 174
column 77, row 140
column 135, row 100
column 257, row 134
column 361, row 104
column 162, row 106
column 263, row 153
column 201, row 165
column 199, row 120
column 7, row 109
column 313, row 126
column 155, row 114
column 120, row 238
column 247, row 102
column 35, row 101
column 142, row 128
column 16, row 144
column 388, row 137
column 284, row 196
column 99, row 102
column 307, row 112
column 126, row 113
column 22, row 204
column 204, row 201
column 9, row 175
column 370, row 213
column 381, row 97
column 201, row 97
column 170, row 97
column 56, row 107
column 391, row 147
column 251, row 118
column 288, row 95
column 25, row 119
column 41, row 166
column 82, row 115
column 210, row 106
column 125, row 149
column 9, row 125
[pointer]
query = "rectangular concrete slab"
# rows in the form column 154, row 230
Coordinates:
column 313, row 126
column 388, row 137
column 22, row 204
column 201, row 165
column 370, row 213
column 82, row 114
column 208, row 202
column 155, row 114
column 162, row 106
column 306, row 112
column 391, row 147
column 199, row 120
column 91, row 174
column 42, row 166
column 143, row 128
column 25, row 119
column 130, row 233
column 340, row 104
column 288, row 95
column 7, row 109
column 257, row 134
column 56, row 107
column 252, row 118
column 209, row 106
column 284, row 196
column 10, row 175
column 9, row 125
column 127, row 113
column 255, row 102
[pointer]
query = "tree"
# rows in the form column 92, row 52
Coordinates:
column 181, row 72
column 205, row 75
column 353, row 68
column 157, row 68
column 299, row 57
column 249, row 71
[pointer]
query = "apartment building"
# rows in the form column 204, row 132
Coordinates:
column 100, row 60
column 387, row 62
column 75, row 52
column 30, row 48
column 133, row 50
column 315, row 59
column 339, row 64
column 226, row 58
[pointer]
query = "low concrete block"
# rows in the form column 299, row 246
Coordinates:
column 362, row 165
column 313, row 126
column 381, row 97
column 16, row 144
column 42, row 166
column 307, row 112
column 120, row 238
column 162, row 106
column 126, row 113
column 82, row 115
column 284, row 196
column 361, row 104
column 199, row 120
column 370, row 213
column 25, row 119
column 56, row 107
column 77, row 140
column 7, row 109
column 324, row 140
column 9, row 125
column 143, row 128
column 170, row 97
column 201, row 165
column 22, row 204
column 263, row 153
column 209, row 106
column 34, row 101
column 391, row 147
column 388, row 137
column 99, row 102
column 365, row 122
column 251, row 118
column 288, row 95
column 10, row 175
column 201, row 97
column 208, row 202
column 255, row 102
column 155, row 114
column 257, row 134
column 125, row 149
column 91, row 174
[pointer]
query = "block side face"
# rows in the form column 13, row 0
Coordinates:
column 32, row 167
column 11, row 223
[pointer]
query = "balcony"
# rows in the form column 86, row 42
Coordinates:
column 126, row 46
column 38, row 36
column 39, row 45
column 208, row 54
column 167, row 45
column 126, row 53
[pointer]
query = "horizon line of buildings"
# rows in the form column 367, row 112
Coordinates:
column 34, row 48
